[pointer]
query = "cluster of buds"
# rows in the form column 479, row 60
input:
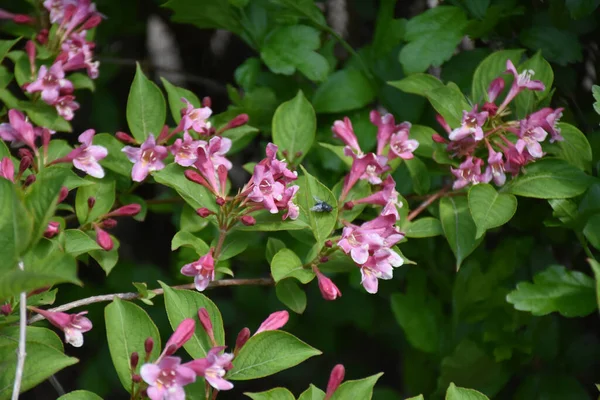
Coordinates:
column 482, row 142
column 370, row 245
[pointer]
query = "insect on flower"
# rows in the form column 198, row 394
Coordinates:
column 321, row 206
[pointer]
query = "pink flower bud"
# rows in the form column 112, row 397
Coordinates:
column 126, row 211
column 274, row 321
column 239, row 120
column 137, row 379
column 335, row 380
column 328, row 243
column 348, row 205
column 183, row 333
column 62, row 195
column 92, row 22
column 195, row 177
column 323, row 259
column 23, row 19
column 109, row 223
column 125, row 138
column 73, row 325
column 443, row 123
column 438, row 138
column 7, row 169
column 206, row 102
column 495, row 88
column 248, row 220
column 164, row 134
column 220, row 201
column 298, row 154
column 29, row 180
column 134, row 359
column 148, row 346
column 6, row 309
column 23, row 152
column 329, row 290
column 206, row 323
column 491, row 108
column 169, row 350
column 46, row 137
column 91, row 201
column 52, row 229
column 204, row 212
column 24, row 164
column 285, row 153
column 241, row 340
column 103, row 239
column 42, row 36
column 30, row 50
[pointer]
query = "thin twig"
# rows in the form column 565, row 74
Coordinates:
column 414, row 213
column 56, row 385
column 21, row 354
column 132, row 296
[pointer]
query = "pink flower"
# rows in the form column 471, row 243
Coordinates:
column 546, row 119
column 213, row 368
column 495, row 88
column 379, row 266
column 202, row 270
column 335, row 380
column 146, row 159
column 266, row 190
column 52, row 229
column 328, row 289
column 18, row 130
column 286, row 202
column 521, row 82
column 495, row 167
column 385, row 127
column 386, row 197
column 273, row 322
column 469, row 172
column 7, row 169
column 50, row 83
column 183, row 333
column 368, row 167
column 86, row 157
column 78, row 53
column 217, row 148
column 344, row 131
column 167, row 379
column 207, row 169
column 515, row 160
column 194, row 118
column 73, row 325
column 103, row 239
column 186, row 150
column 57, row 9
column 401, row 146
column 472, row 122
column 66, row 106
column 530, row 135
column 278, row 168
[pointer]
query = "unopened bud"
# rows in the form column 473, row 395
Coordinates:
column 125, row 138
column 29, row 180
column 285, row 153
column 134, row 359
column 52, row 229
column 206, row 323
column 195, row 177
column 23, row 152
column 348, row 205
column 92, row 22
column 103, row 239
column 328, row 243
column 24, row 164
column 42, row 36
column 22, row 19
column 274, row 321
column 39, row 290
column 31, row 51
column 136, row 378
column 298, row 154
column 248, row 220
column 6, row 309
column 46, row 137
column 164, row 134
column 183, row 333
column 438, row 138
column 109, row 223
column 91, row 201
column 335, row 380
column 241, row 340
column 62, row 195
column 148, row 346
column 220, row 201
column 170, row 350
column 204, row 212
column 328, row 289
column 491, row 108
column 144, row 393
column 323, row 259
column 239, row 120
column 126, row 211
column 206, row 102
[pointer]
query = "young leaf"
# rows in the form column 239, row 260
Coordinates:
column 5, row 46
column 268, row 353
column 312, row 393
column 294, row 127
column 127, row 328
column 273, row 394
column 286, row 264
column 419, row 84
column 182, row 304
column 490, row 68
column 16, row 225
column 489, row 208
column 103, row 191
column 344, row 90
column 358, row 389
column 291, row 294
column 273, row 246
column 550, row 179
column 321, row 223
column 188, row 239
column 457, row 393
column 197, row 196
column 570, row 293
column 424, row 227
column 146, row 111
column 449, row 102
column 174, row 95
column 458, row 227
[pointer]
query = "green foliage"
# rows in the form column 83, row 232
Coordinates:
column 80, row 395
column 489, row 208
column 273, row 394
column 345, row 90
column 294, row 126
column 362, row 388
column 456, row 393
column 145, row 107
column 459, row 228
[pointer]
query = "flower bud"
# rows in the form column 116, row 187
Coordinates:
column 239, row 120
column 23, row 152
column 42, row 36
column 6, row 309
column 285, row 153
column 39, row 290
column 349, row 205
column 22, row 19
column 298, row 154
column 204, row 212
column 134, row 359
column 92, row 22
column 183, row 333
column 148, row 346
column 248, row 220
column 443, row 123
column 491, row 108
column 169, row 350
column 129, row 210
column 62, row 195
column 274, row 321
column 328, row 289
column 7, row 169
column 136, row 378
column 328, row 243
column 495, row 88
column 206, row 102
column 46, row 137
column 241, row 340
column 220, row 201
column 438, row 138
column 52, row 229
column 164, row 134
column 125, row 138
column 29, row 180
column 335, row 380
column 31, row 51
column 91, row 201
column 109, row 223
column 103, row 239
column 206, row 323
column 323, row 259
column 195, row 177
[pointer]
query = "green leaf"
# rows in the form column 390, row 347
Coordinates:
column 321, row 223
column 581, row 8
column 592, row 231
column 596, row 94
column 419, row 175
column 419, row 397
column 235, row 243
column 273, row 394
column 312, row 393
column 338, row 151
column 596, row 268
column 293, row 47
column 103, row 191
column 42, row 114
column 357, row 389
column 16, row 225
column 45, row 357
column 345, row 90
column 268, row 353
column 550, row 179
column 240, row 137
column 423, row 135
column 286, row 264
column 449, row 102
column 575, row 149
column 570, row 293
column 456, row 393
column 82, row 81
column 424, row 227
column 273, row 246
column 80, row 395
column 304, row 8
column 489, row 208
column 5, row 78
column 459, row 227
column 294, row 128
column 5, row 46
column 127, row 328
column 557, row 45
column 42, row 299
column 188, row 239
column 247, row 73
column 174, row 95
column 268, row 222
column 527, row 101
column 182, row 304
column 291, row 295
column 419, row 83
column 197, row 196
column 433, row 37
column 78, row 242
column 213, row 14
column 490, row 68
column 107, row 259
column 116, row 160
column 146, row 111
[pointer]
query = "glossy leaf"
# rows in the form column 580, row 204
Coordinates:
column 146, row 110
column 80, row 395
column 459, row 227
column 16, row 225
column 174, row 95
column 197, row 196
column 312, row 393
column 424, row 227
column 344, row 90
column 294, row 127
column 489, row 208
column 291, row 295
column 457, row 393
column 575, row 149
column 103, row 191
column 419, row 83
column 286, row 264
column 188, row 239
column 273, row 394
column 78, row 242
column 358, row 389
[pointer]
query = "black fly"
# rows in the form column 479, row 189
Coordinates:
column 321, row 206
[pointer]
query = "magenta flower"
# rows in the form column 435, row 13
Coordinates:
column 335, row 380
column 56, row 8
column 167, row 379
column 471, row 124
column 344, row 131
column 73, row 325
column 79, row 54
column 207, row 171
column 146, row 159
column 515, row 160
column 266, row 190
column 217, row 148
column 495, row 88
column 18, row 130
column 7, row 169
column 385, row 127
column 469, row 172
column 286, row 202
column 530, row 135
column 52, row 229
column 203, row 270
column 273, row 322
column 368, row 167
column 379, row 266
column 50, row 82
column 278, row 168
column 183, row 333
column 194, row 118
column 86, row 157
column 386, row 197
column 547, row 119
column 521, row 82
column 495, row 167
column 66, row 106
column 328, row 289
column 401, row 146
column 213, row 368
column 186, row 150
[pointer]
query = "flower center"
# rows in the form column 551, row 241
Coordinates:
column 525, row 77
column 265, row 186
column 149, row 156
column 50, row 80
column 166, row 377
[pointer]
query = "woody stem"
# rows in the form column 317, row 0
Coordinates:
column 414, row 213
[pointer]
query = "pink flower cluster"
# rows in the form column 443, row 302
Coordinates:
column 481, row 140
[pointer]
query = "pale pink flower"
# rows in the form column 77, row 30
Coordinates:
column 167, row 378
column 73, row 325
column 66, row 106
column 344, row 131
column 18, row 131
column 471, row 125
column 385, row 127
column 521, row 82
column 530, row 135
column 368, row 167
column 86, row 156
column 78, row 53
column 194, row 118
column 213, row 368
column 217, row 148
column 186, row 150
column 203, row 270
column 149, row 157
column 266, row 190
column 469, row 172
column 50, row 82
column 495, row 167
column 401, row 146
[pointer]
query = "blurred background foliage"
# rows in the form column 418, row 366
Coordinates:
column 484, row 343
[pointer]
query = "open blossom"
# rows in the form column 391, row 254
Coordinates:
column 217, row 148
column 51, row 82
column 186, row 150
column 521, row 82
column 213, row 368
column 369, row 167
column 146, row 159
column 266, row 190
column 471, row 125
column 530, row 135
column 203, row 271
column 385, row 127
column 78, row 53
column 167, row 378
column 73, row 325
column 86, row 156
column 400, row 145
column 18, row 131
column 469, row 172
column 7, row 169
column 66, row 106
column 344, row 131
column 495, row 167
column 386, row 197
column 194, row 118
column 547, row 119
column 515, row 160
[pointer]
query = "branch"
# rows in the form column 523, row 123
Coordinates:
column 427, row 203
column 21, row 354
column 132, row 296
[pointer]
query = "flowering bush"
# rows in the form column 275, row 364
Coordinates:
column 411, row 231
